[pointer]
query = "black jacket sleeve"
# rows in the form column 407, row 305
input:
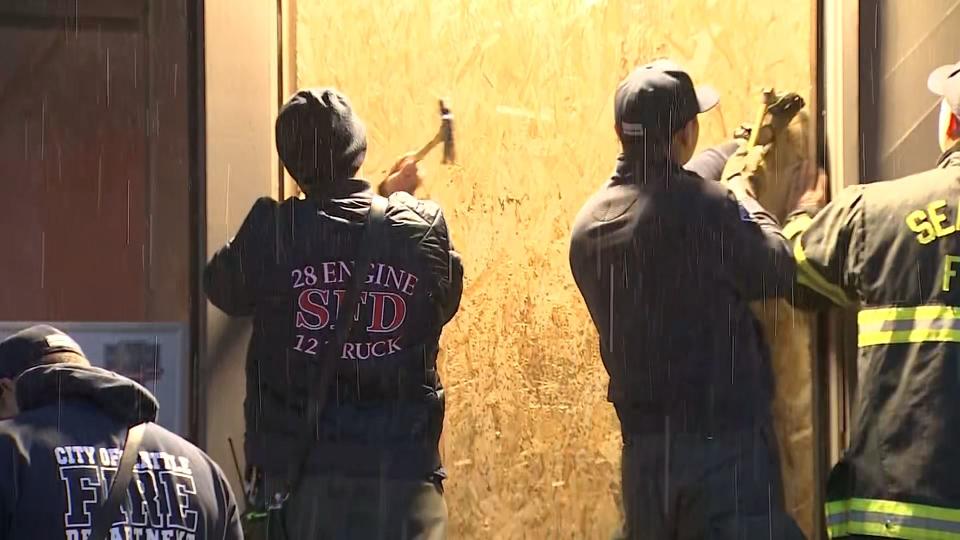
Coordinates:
column 8, row 482
column 824, row 247
column 709, row 164
column 232, row 276
column 433, row 238
column 756, row 256
column 451, row 304
column 232, row 529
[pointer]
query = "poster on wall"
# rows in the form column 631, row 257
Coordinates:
column 153, row 354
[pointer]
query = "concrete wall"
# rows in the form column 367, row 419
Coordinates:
column 241, row 104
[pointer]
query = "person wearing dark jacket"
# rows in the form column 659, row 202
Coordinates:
column 667, row 263
column 62, row 440
column 374, row 468
column 890, row 250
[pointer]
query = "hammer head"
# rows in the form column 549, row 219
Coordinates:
column 446, row 133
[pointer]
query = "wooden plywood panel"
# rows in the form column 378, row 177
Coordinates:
column 531, row 444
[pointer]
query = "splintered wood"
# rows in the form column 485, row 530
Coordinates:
column 531, row 445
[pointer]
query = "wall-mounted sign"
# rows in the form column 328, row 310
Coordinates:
column 153, row 354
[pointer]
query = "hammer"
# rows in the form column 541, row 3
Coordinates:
column 781, row 108
column 444, row 135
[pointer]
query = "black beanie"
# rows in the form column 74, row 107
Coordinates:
column 319, row 139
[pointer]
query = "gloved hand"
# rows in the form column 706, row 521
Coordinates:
column 748, row 171
column 745, row 171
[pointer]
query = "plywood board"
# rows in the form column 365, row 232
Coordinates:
column 531, row 444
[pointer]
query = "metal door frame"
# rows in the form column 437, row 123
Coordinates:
column 838, row 142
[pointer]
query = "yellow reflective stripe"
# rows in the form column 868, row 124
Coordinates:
column 892, row 519
column 810, row 278
column 871, row 322
column 839, row 507
column 906, row 509
column 901, row 533
column 797, row 225
column 919, row 313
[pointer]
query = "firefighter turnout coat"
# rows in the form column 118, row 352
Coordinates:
column 892, row 249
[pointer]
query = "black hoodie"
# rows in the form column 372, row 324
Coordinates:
column 65, row 444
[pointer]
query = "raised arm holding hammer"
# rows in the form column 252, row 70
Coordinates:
column 404, row 175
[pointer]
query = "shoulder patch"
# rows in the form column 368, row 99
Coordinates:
column 745, row 214
column 62, row 342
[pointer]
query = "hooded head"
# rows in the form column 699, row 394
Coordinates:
column 42, row 366
column 34, row 346
column 319, row 139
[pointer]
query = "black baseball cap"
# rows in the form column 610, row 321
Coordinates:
column 657, row 99
column 319, row 138
column 945, row 82
column 34, row 346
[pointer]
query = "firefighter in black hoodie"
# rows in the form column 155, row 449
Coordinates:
column 61, row 442
column 373, row 469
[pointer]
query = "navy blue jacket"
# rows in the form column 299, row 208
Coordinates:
column 667, row 263
column 59, row 453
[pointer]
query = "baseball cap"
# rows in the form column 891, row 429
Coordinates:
column 657, row 99
column 319, row 139
column 36, row 345
column 945, row 82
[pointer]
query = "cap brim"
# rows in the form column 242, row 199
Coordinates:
column 937, row 81
column 707, row 97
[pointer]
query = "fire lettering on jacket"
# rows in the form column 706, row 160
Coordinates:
column 312, row 313
column 163, row 495
column 339, row 273
column 949, row 272
column 320, row 291
column 930, row 223
column 387, row 310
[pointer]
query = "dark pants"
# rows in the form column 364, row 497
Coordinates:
column 684, row 486
column 332, row 507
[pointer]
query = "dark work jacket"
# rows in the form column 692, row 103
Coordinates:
column 891, row 250
column 667, row 263
column 63, row 449
column 287, row 267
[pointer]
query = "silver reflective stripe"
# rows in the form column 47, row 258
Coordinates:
column 919, row 324
column 913, row 522
column 935, row 324
column 835, row 519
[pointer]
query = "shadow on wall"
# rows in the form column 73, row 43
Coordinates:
column 531, row 445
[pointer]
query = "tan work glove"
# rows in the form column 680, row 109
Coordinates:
column 745, row 171
column 748, row 171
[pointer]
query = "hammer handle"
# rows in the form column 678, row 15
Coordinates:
column 422, row 153
column 755, row 134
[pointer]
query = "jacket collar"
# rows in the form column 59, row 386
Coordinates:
column 348, row 200
column 951, row 157
column 340, row 190
column 631, row 170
